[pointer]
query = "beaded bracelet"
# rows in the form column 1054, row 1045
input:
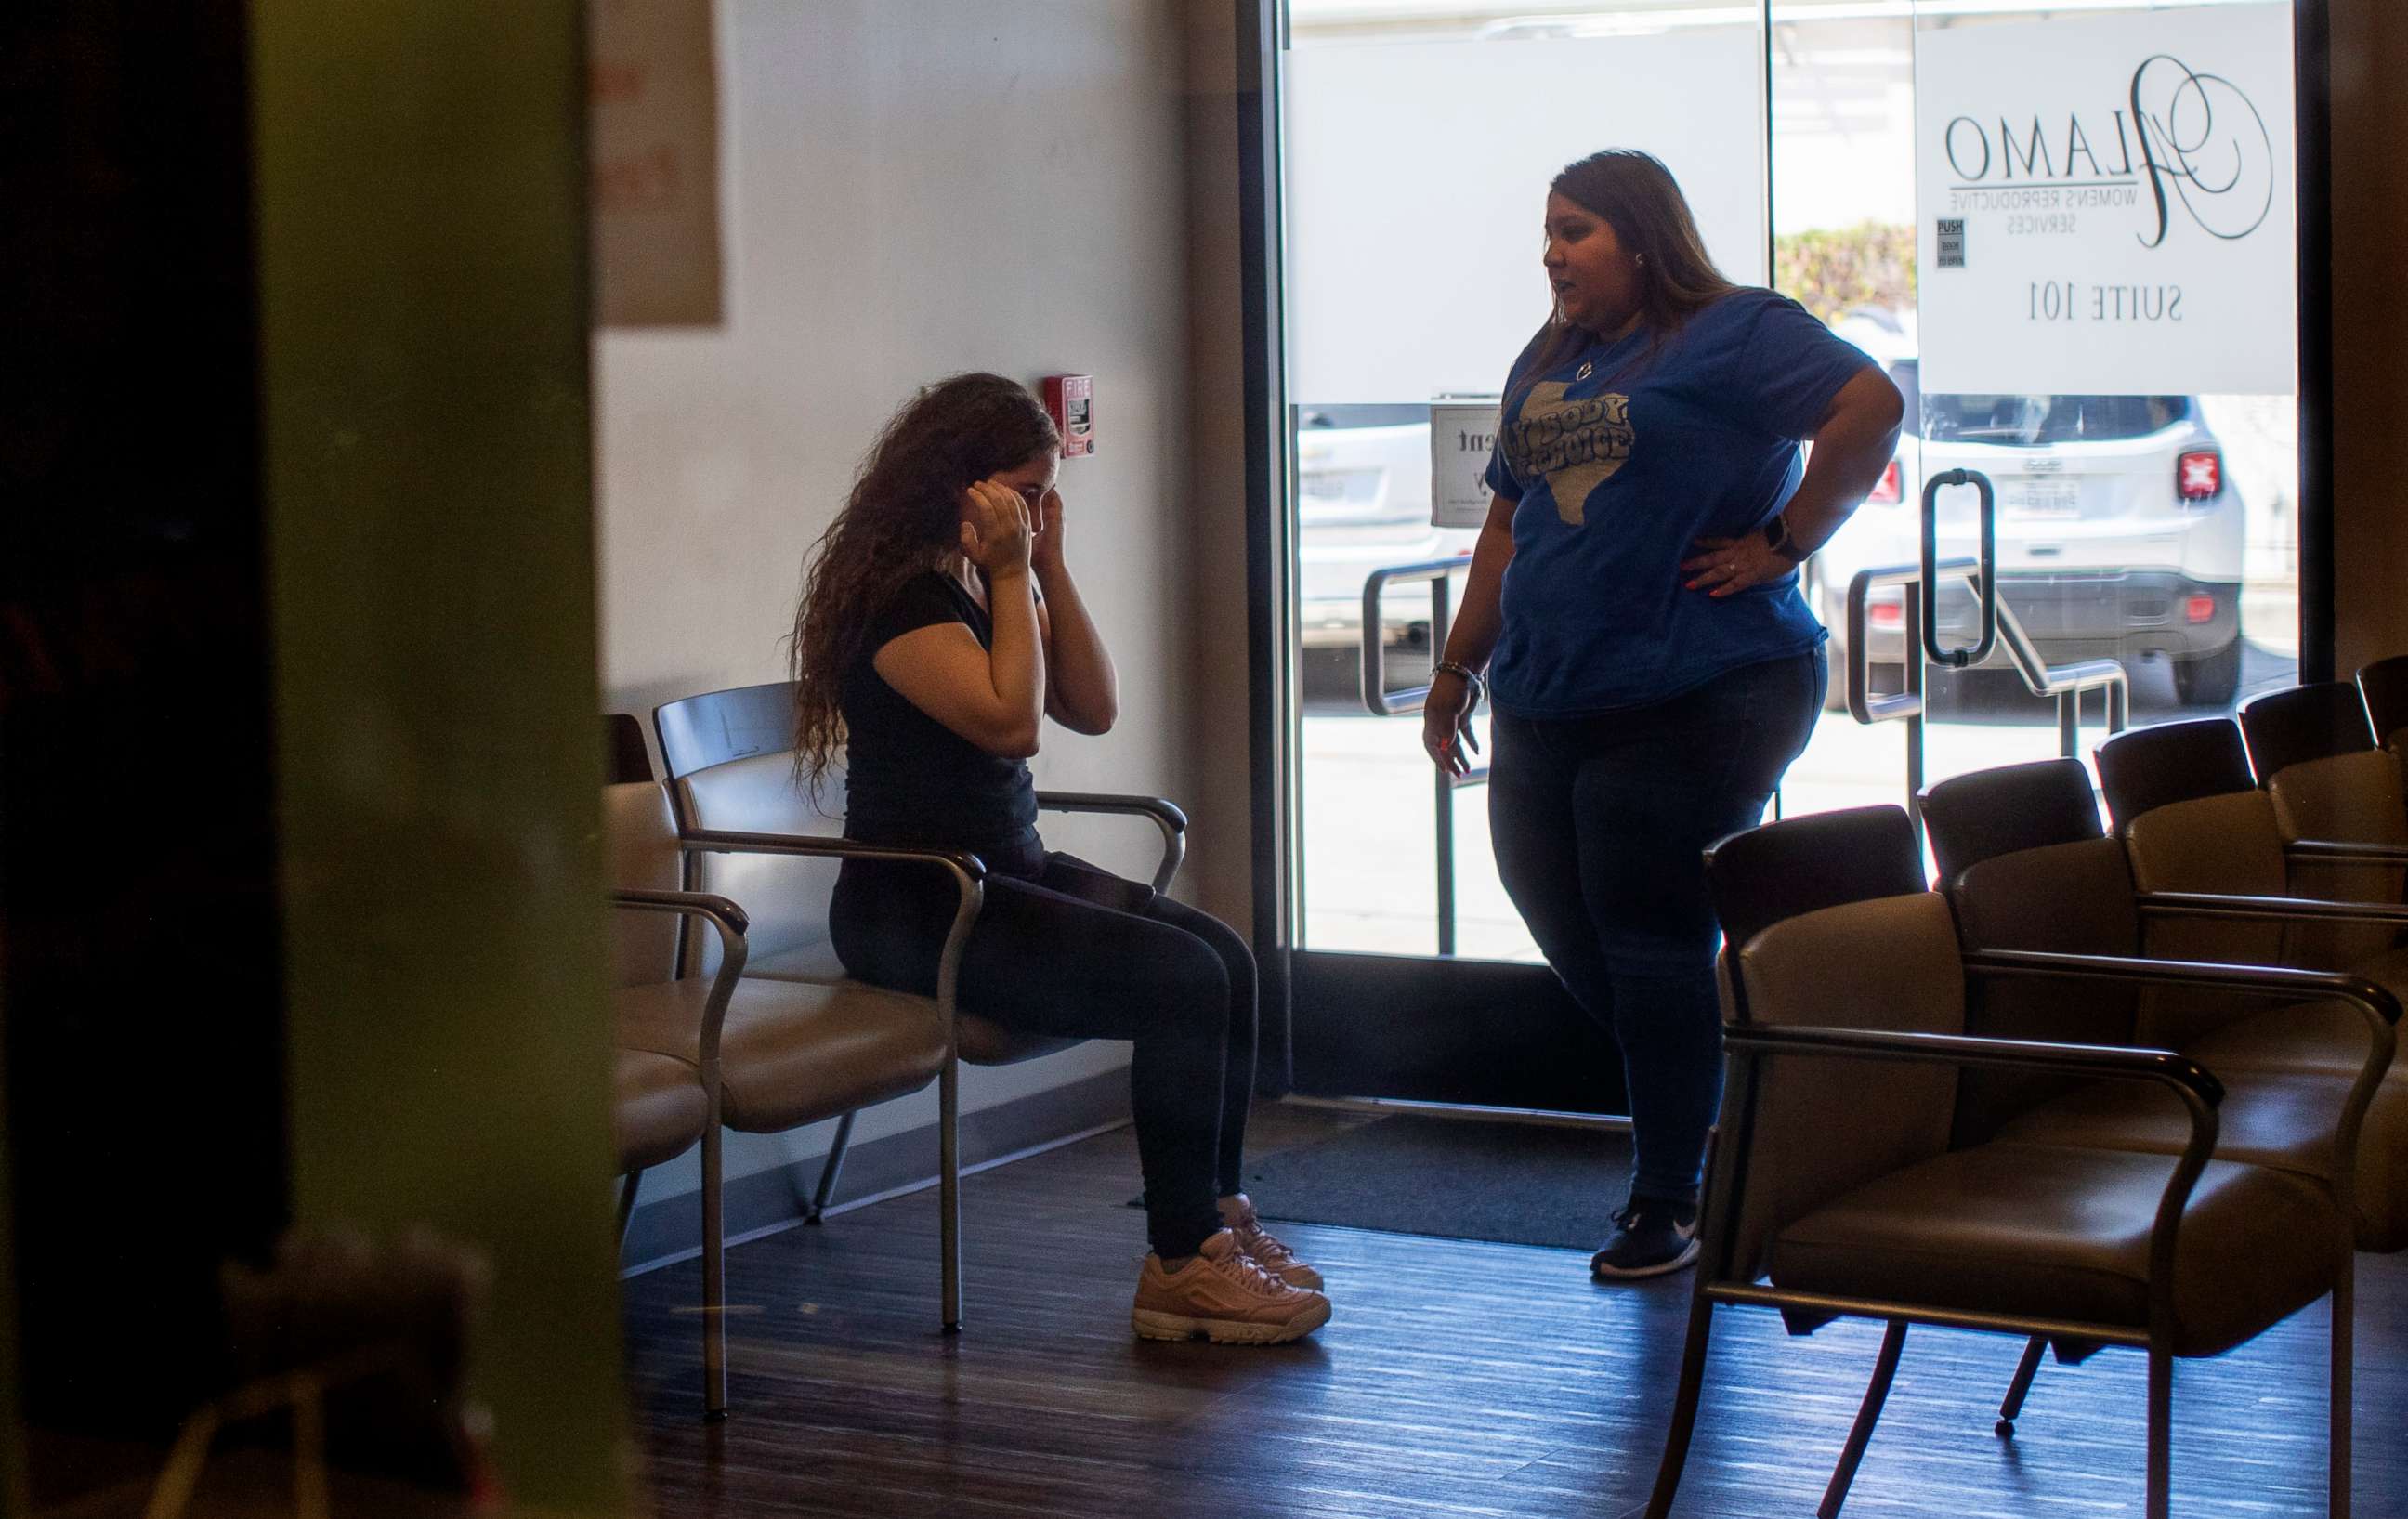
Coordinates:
column 1471, row 678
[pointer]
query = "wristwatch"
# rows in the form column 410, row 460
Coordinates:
column 1776, row 533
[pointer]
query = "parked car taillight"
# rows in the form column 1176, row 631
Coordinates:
column 1886, row 494
column 2198, row 475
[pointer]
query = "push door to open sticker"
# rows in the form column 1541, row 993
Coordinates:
column 1462, row 436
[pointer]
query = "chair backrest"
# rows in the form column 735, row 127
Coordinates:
column 2304, row 722
column 640, row 844
column 2144, row 768
column 2353, row 798
column 2069, row 898
column 731, row 760
column 2224, row 844
column 2384, row 687
column 1806, row 863
column 717, row 726
column 1816, row 1126
column 1978, row 816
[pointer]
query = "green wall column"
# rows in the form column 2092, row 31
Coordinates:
column 423, row 285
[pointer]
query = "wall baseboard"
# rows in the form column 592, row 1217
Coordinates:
column 670, row 1230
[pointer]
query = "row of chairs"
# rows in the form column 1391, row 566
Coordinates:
column 732, row 1009
column 753, row 1026
column 2098, row 1089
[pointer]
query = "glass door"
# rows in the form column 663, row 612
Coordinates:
column 1418, row 140
column 2069, row 233
column 2066, row 231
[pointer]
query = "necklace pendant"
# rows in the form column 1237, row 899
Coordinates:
column 1585, row 370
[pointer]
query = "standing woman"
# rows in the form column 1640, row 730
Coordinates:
column 1634, row 601
column 939, row 627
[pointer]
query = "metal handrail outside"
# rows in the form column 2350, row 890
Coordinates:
column 1439, row 573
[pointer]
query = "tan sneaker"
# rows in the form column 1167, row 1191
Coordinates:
column 1268, row 1253
column 1223, row 1295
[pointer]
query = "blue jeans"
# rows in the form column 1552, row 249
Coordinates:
column 1600, row 824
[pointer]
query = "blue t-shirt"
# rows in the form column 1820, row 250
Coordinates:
column 1618, row 462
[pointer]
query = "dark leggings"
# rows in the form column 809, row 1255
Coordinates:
column 1063, row 948
column 1600, row 826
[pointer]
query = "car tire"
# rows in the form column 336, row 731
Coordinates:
column 2209, row 679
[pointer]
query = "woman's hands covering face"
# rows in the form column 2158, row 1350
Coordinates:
column 995, row 531
column 1047, row 553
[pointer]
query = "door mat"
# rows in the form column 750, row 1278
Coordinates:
column 1458, row 1179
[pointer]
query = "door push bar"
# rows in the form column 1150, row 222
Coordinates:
column 1957, row 659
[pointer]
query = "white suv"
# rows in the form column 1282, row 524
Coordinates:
column 1364, row 486
column 2119, row 532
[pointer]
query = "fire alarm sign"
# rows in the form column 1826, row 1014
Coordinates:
column 1071, row 398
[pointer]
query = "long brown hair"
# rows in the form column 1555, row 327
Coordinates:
column 1635, row 194
column 901, row 520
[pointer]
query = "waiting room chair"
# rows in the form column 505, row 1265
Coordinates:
column 2290, row 1058
column 658, row 1111
column 1835, row 1187
column 731, row 762
column 765, row 1055
column 2330, row 829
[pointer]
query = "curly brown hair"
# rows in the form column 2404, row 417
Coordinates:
column 901, row 520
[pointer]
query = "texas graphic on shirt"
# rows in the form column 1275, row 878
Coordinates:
column 1577, row 445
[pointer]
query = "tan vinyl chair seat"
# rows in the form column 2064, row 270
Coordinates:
column 2064, row 1233
column 657, row 1111
column 792, row 1053
column 2279, row 1119
column 985, row 1041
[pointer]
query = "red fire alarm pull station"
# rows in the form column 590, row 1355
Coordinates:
column 1071, row 398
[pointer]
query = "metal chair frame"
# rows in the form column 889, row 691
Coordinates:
column 728, row 921
column 711, row 728
column 1718, row 1283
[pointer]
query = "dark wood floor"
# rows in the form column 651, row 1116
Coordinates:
column 1455, row 1379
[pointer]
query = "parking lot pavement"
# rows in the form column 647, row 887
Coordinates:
column 1370, row 862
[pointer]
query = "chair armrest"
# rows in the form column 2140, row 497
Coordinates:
column 2376, row 1002
column 2343, row 851
column 1166, row 815
column 731, row 924
column 2283, row 982
column 2201, row 1092
column 968, row 870
column 964, row 865
column 2105, row 1062
column 2280, row 909
column 723, row 913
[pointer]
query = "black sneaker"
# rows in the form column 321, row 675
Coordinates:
column 1650, row 1237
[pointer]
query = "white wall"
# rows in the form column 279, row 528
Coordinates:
column 914, row 189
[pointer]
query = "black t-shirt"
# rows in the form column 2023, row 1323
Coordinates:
column 908, row 779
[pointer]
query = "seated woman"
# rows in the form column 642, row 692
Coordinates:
column 939, row 627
